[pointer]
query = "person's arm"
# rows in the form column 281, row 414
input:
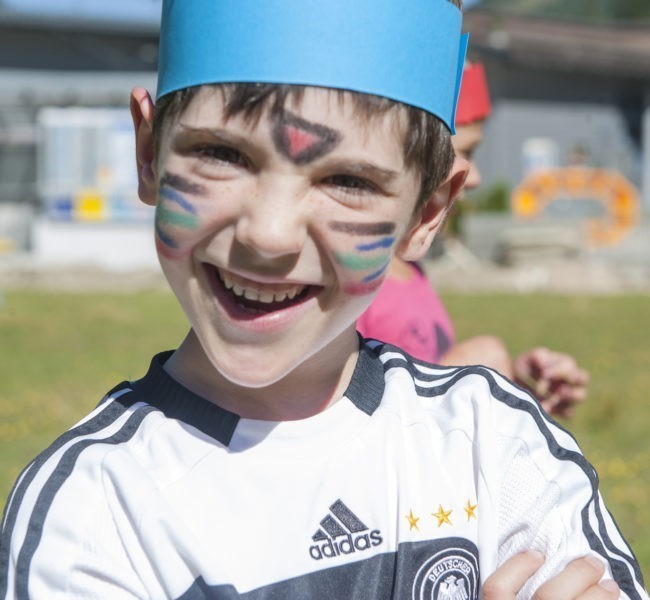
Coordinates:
column 581, row 579
column 554, row 378
column 487, row 350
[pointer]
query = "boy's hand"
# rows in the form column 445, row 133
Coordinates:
column 554, row 378
column 580, row 580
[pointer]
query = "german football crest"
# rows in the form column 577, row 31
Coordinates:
column 450, row 574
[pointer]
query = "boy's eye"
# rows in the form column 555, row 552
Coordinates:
column 224, row 154
column 351, row 184
column 467, row 153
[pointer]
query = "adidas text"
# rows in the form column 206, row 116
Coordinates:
column 347, row 545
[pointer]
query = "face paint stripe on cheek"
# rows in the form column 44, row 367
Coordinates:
column 385, row 243
column 164, row 238
column 357, row 262
column 354, row 262
column 165, row 251
column 181, row 184
column 380, row 228
column 174, row 196
column 174, row 211
column 165, row 216
column 376, row 274
column 362, row 289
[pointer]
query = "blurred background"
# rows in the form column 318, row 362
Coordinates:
column 566, row 152
column 570, row 87
column 552, row 249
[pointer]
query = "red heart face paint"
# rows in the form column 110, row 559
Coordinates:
column 301, row 141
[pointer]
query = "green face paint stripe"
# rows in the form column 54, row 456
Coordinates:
column 355, row 262
column 164, row 216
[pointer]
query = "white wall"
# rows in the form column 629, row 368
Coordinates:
column 599, row 128
column 110, row 246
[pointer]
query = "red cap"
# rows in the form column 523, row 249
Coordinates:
column 474, row 98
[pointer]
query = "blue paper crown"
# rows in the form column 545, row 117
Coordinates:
column 411, row 51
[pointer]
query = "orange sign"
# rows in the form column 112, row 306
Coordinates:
column 613, row 202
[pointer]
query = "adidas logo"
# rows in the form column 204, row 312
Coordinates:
column 342, row 532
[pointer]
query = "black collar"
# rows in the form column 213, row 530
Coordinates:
column 157, row 388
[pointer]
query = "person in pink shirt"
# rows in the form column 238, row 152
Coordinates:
column 408, row 312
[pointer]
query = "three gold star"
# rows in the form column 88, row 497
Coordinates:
column 413, row 521
column 443, row 516
column 470, row 509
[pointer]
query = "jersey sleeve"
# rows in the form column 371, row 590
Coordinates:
column 65, row 546
column 60, row 537
column 549, row 497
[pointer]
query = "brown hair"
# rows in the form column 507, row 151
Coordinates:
column 427, row 141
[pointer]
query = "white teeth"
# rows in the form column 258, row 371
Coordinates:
column 266, row 295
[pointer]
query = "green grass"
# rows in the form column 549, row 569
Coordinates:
column 59, row 353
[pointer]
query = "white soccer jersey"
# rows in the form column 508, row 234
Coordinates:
column 416, row 485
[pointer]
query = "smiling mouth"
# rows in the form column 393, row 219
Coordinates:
column 258, row 298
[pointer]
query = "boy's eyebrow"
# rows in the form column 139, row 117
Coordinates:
column 214, row 134
column 380, row 228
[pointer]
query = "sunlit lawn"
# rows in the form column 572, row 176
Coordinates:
column 60, row 352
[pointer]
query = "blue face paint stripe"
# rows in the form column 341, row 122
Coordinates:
column 171, row 194
column 164, row 238
column 384, row 243
column 376, row 274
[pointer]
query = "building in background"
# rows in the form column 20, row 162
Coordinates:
column 564, row 91
column 67, row 174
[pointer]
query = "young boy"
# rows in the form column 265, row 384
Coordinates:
column 274, row 454
column 408, row 312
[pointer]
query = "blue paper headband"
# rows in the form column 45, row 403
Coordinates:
column 411, row 51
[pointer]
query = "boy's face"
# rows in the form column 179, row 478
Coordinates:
column 276, row 234
column 467, row 139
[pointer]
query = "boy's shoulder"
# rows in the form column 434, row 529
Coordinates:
column 433, row 381
column 451, row 396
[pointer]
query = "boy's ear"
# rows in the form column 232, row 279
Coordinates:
column 142, row 114
column 431, row 215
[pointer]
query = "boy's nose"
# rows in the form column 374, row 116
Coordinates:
column 473, row 176
column 274, row 222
